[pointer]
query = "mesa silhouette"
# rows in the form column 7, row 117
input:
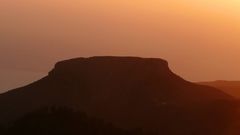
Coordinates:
column 129, row 92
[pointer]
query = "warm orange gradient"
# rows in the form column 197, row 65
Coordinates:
column 199, row 38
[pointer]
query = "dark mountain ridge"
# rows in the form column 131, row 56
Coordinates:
column 129, row 92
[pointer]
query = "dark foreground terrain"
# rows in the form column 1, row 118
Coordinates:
column 136, row 95
column 64, row 121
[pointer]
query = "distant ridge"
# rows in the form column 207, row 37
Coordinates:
column 130, row 92
column 230, row 87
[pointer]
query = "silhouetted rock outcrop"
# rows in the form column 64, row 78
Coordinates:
column 129, row 92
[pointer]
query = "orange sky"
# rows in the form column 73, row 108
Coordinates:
column 199, row 38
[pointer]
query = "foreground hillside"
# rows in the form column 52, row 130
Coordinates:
column 64, row 121
column 128, row 92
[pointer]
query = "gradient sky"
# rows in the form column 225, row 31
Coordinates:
column 199, row 38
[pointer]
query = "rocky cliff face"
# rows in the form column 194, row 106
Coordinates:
column 130, row 92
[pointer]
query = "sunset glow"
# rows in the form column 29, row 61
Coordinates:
column 120, row 67
column 199, row 38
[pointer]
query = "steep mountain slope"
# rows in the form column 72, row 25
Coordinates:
column 230, row 87
column 129, row 92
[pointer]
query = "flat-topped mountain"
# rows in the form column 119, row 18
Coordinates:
column 129, row 92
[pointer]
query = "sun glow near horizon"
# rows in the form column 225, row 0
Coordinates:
column 199, row 38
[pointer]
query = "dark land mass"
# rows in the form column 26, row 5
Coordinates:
column 128, row 92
